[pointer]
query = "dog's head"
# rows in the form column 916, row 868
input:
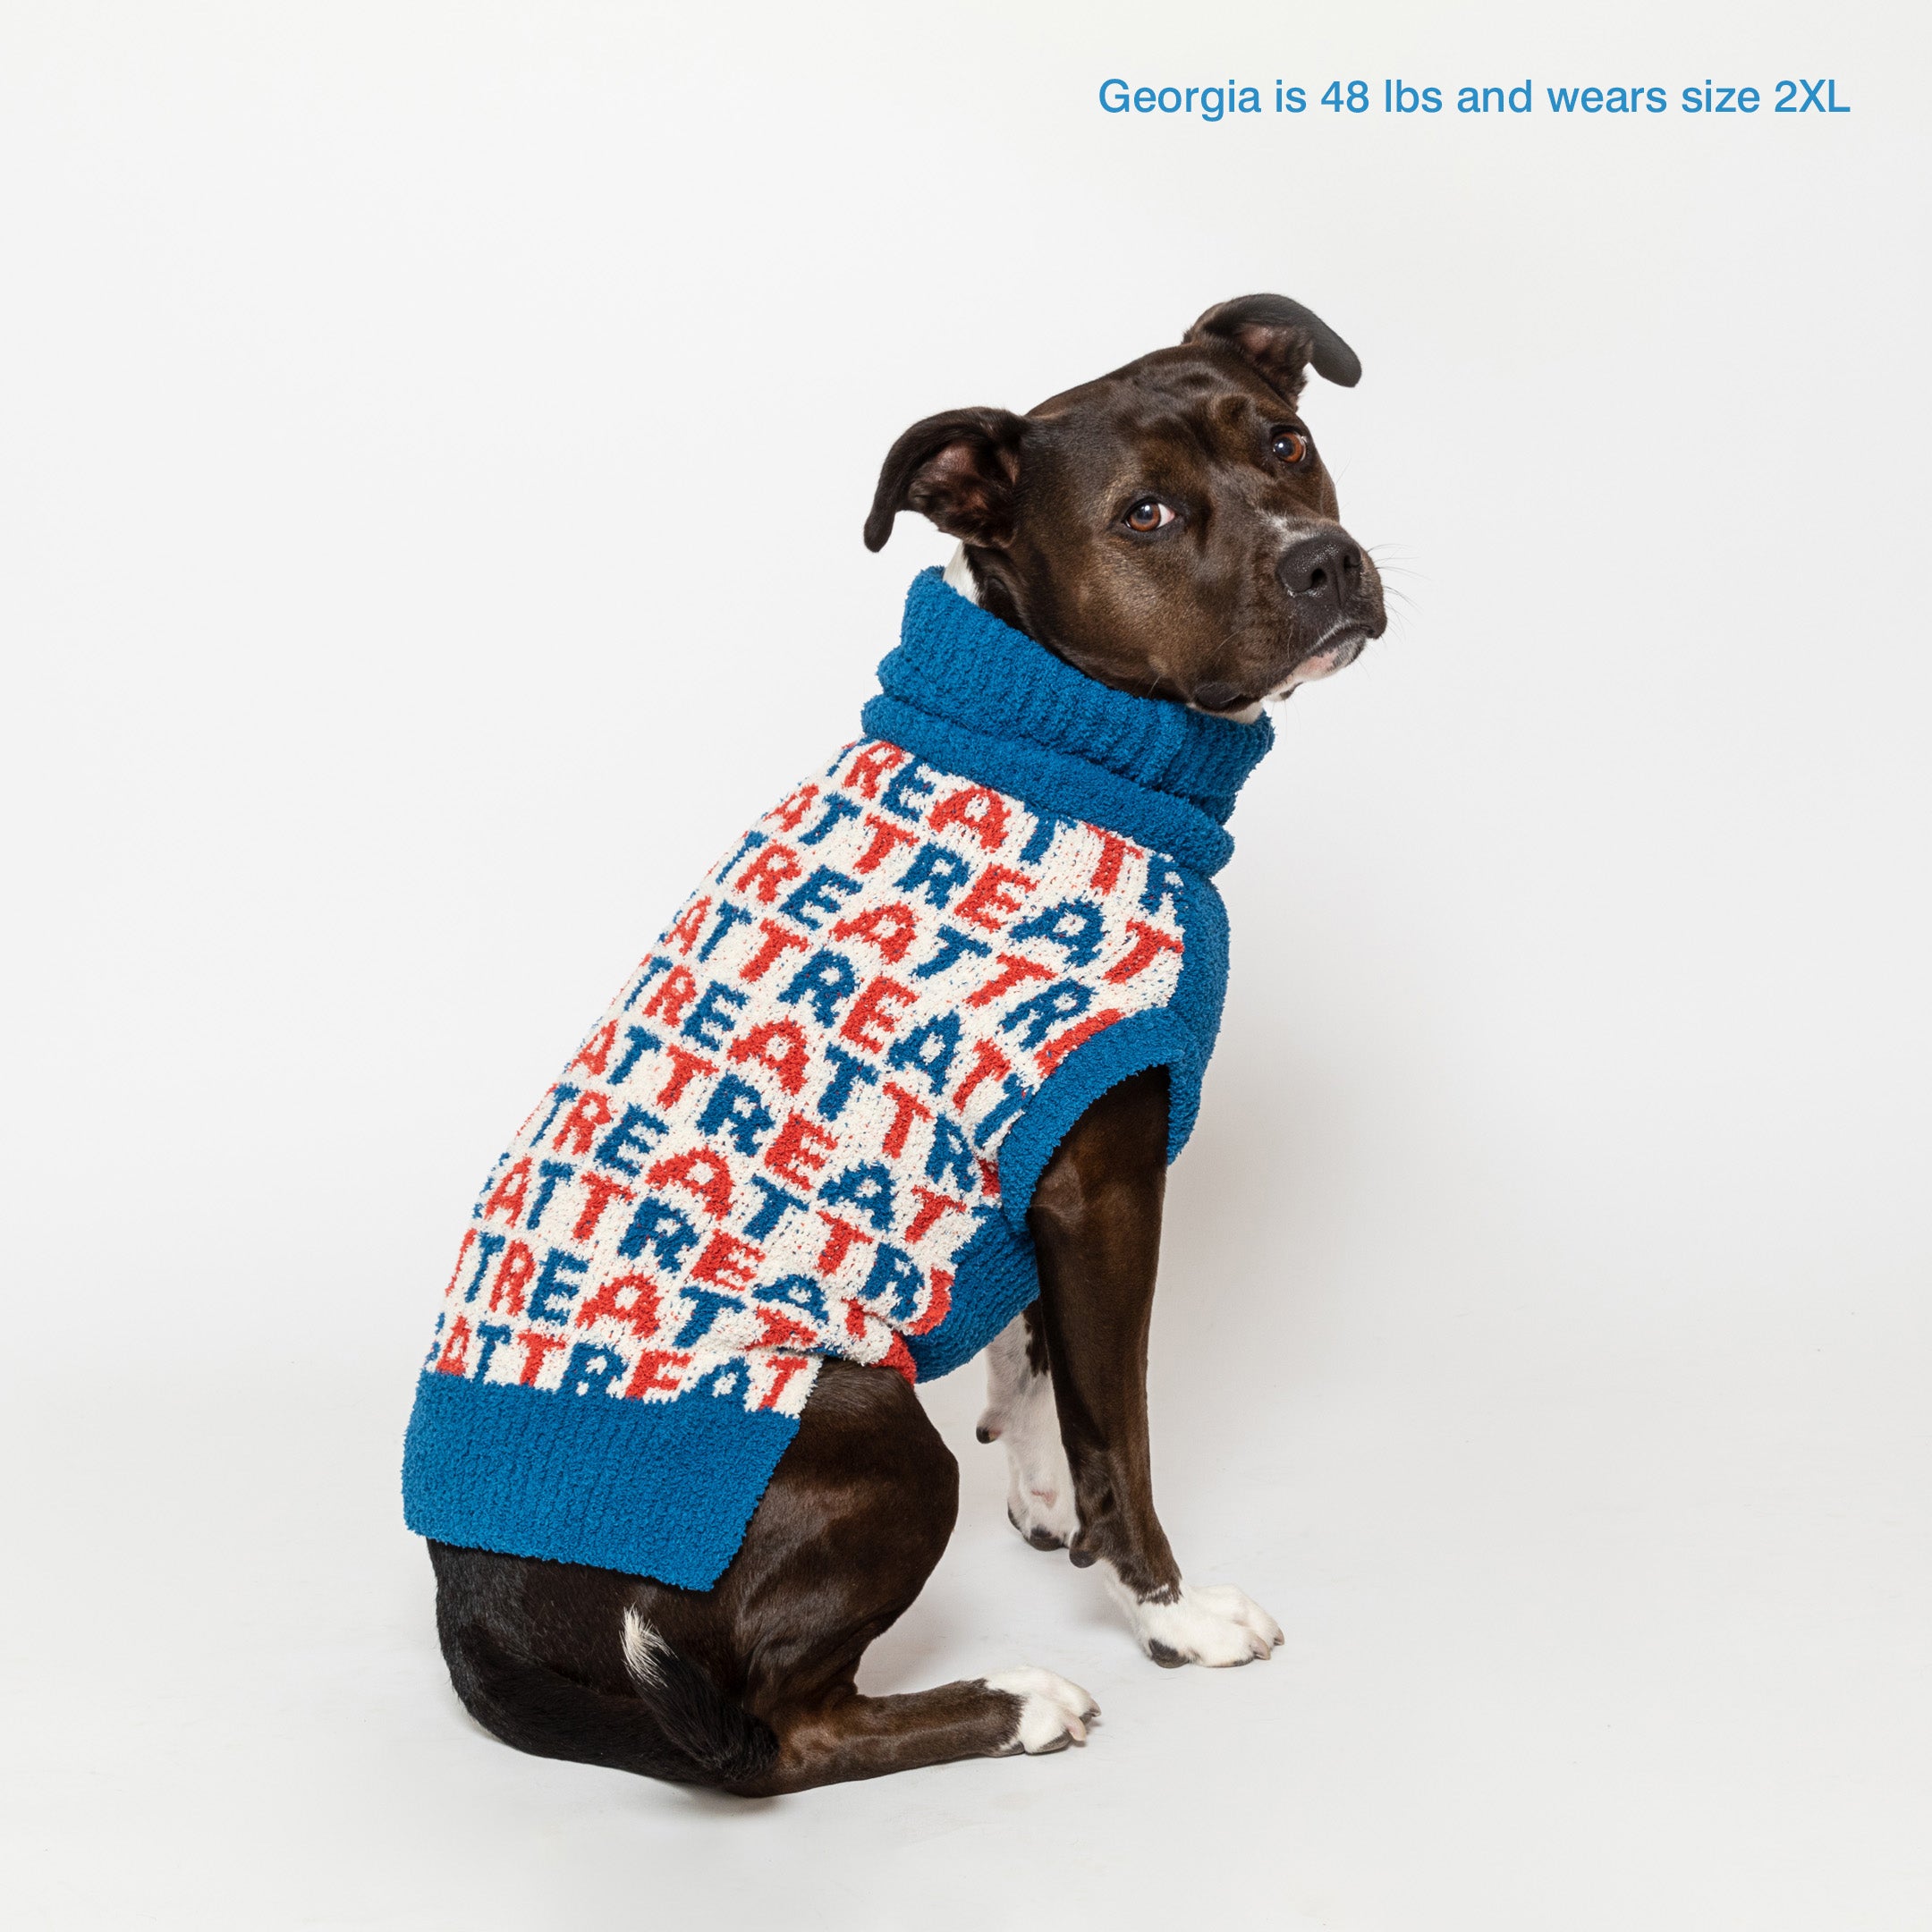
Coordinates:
column 1169, row 528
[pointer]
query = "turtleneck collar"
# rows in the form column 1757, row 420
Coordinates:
column 971, row 694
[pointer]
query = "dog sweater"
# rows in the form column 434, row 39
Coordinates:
column 810, row 1123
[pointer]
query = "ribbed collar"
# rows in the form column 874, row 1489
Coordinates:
column 958, row 663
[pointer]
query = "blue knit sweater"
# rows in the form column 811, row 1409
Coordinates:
column 810, row 1124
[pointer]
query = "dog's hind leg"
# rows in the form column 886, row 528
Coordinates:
column 1019, row 1414
column 750, row 1686
column 1000, row 1715
column 858, row 1514
column 656, row 1714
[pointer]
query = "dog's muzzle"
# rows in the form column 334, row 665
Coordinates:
column 1321, row 572
column 1332, row 600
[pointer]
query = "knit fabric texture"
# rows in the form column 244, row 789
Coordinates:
column 810, row 1123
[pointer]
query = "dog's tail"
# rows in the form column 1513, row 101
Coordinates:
column 724, row 1743
column 677, row 1726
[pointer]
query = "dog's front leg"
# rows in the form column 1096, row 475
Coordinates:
column 1096, row 1221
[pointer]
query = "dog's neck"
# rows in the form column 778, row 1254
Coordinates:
column 958, row 577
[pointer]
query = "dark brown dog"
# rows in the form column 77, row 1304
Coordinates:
column 1169, row 530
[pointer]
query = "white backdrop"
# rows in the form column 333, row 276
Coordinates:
column 435, row 442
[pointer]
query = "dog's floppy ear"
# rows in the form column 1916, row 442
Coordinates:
column 958, row 469
column 1281, row 338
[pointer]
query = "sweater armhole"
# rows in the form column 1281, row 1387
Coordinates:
column 1127, row 1047
column 1000, row 1257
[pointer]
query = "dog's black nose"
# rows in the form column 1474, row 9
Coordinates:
column 1325, row 565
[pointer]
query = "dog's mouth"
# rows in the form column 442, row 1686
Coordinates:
column 1334, row 650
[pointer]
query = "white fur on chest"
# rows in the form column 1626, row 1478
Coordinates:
column 959, row 576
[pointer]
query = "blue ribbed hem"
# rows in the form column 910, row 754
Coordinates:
column 997, row 1277
column 654, row 1489
column 1201, row 991
column 998, row 1273
column 1127, row 1047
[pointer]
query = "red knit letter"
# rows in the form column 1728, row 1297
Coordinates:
column 865, row 771
column 602, row 1190
column 991, row 902
column 791, row 1154
column 1014, row 972
column 839, row 1243
column 1054, row 1051
column 674, row 993
column 1106, row 870
column 776, row 939
column 508, row 1194
column 989, row 1062
column 455, row 1349
column 589, row 1112
column 906, row 1109
column 873, row 1008
column 700, row 1172
column 931, row 1207
column 727, row 1262
column 789, row 811
column 513, row 1275
column 538, row 1349
column 886, row 837
column 1150, row 943
column 683, row 1065
column 779, row 1045
column 595, row 1054
column 629, row 1299
column 688, row 925
column 891, row 929
column 982, row 812
column 768, row 871
column 650, row 1371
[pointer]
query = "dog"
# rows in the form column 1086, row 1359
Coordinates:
column 1144, row 561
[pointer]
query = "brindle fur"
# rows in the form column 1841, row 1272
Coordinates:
column 753, row 1691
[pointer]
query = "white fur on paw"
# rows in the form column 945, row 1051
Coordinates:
column 1039, row 1487
column 1211, row 1624
column 1052, row 1712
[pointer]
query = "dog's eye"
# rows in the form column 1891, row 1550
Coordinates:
column 1290, row 445
column 1150, row 514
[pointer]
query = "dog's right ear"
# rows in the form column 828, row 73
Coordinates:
column 959, row 470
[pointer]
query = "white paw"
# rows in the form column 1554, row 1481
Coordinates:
column 1039, row 1504
column 1039, row 1487
column 1212, row 1623
column 1052, row 1712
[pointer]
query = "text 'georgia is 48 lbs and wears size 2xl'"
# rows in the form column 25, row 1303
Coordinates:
column 811, row 1122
